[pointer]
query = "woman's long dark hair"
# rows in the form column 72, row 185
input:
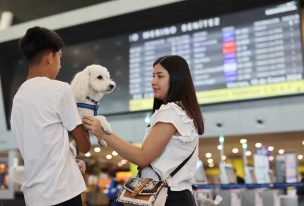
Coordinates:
column 181, row 89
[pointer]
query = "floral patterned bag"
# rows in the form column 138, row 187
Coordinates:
column 139, row 191
column 143, row 192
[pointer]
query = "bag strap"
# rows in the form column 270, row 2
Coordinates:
column 178, row 167
column 182, row 164
column 159, row 177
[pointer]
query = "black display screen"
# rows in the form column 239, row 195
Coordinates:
column 246, row 55
column 251, row 54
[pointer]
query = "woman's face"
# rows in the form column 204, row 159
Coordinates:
column 160, row 82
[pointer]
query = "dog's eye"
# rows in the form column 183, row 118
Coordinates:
column 99, row 77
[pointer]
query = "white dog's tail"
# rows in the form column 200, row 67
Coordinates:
column 16, row 173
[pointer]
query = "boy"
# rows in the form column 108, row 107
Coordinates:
column 43, row 112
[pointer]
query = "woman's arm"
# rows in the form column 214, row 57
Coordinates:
column 153, row 145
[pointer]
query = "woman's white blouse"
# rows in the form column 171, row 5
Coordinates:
column 177, row 150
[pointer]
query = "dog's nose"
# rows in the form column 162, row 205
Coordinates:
column 111, row 86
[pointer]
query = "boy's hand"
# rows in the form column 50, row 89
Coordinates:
column 81, row 165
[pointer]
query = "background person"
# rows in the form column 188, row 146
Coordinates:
column 239, row 179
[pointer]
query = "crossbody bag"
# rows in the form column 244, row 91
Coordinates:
column 139, row 191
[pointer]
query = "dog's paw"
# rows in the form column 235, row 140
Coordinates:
column 17, row 174
column 106, row 128
column 105, row 125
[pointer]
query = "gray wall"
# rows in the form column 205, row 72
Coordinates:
column 277, row 115
column 243, row 118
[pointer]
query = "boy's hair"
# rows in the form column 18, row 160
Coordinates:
column 38, row 40
column 181, row 88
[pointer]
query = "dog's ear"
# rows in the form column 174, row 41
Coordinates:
column 80, row 85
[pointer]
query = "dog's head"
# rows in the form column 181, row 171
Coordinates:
column 94, row 81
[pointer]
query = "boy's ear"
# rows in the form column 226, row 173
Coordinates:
column 48, row 58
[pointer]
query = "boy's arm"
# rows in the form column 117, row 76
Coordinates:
column 67, row 110
column 81, row 138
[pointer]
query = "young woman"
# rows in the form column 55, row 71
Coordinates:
column 173, row 133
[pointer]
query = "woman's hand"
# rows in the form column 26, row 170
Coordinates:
column 93, row 125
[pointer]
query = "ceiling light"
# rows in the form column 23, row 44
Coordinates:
column 109, row 156
column 258, row 145
column 221, row 139
column 123, row 161
column 300, row 157
column 97, row 149
column 270, row 148
column 235, row 150
column 210, row 161
column 219, row 147
column 114, row 153
column 211, row 165
column 243, row 141
column 208, row 155
column 224, row 157
column 88, row 154
column 270, row 158
column 248, row 153
column 244, row 146
column 281, row 151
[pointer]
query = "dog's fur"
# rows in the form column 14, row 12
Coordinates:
column 93, row 82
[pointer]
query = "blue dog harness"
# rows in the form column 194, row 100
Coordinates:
column 89, row 106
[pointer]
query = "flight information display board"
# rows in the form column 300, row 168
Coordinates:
column 247, row 55
column 251, row 54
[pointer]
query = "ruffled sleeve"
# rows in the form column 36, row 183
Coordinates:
column 172, row 113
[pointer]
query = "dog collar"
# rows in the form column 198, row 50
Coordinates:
column 92, row 100
column 89, row 106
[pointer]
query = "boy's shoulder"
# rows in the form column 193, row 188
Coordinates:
column 63, row 87
column 49, row 84
column 45, row 80
column 60, row 83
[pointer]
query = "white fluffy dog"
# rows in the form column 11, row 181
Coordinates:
column 88, row 86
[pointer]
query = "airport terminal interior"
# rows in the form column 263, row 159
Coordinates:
column 247, row 64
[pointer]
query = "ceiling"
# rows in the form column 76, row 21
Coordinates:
column 33, row 9
column 289, row 142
